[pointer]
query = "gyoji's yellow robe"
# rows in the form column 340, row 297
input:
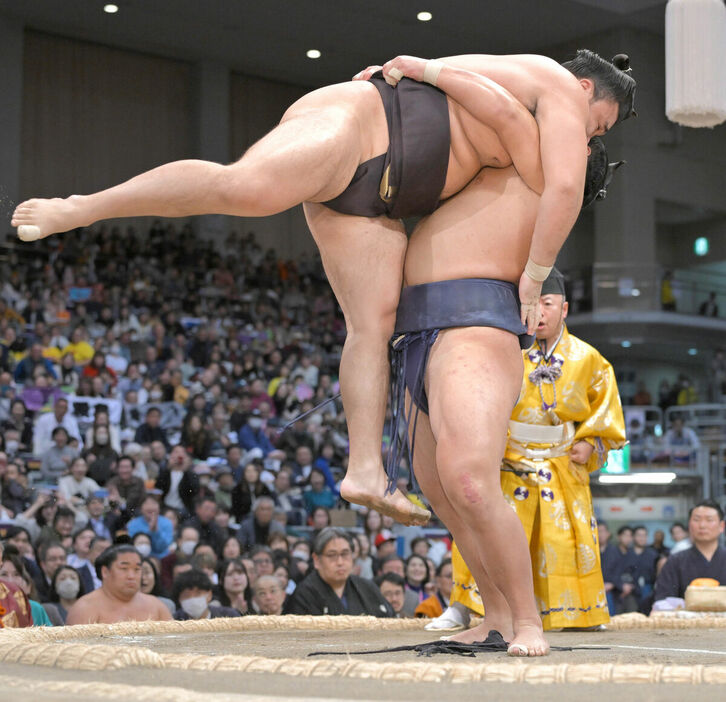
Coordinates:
column 554, row 502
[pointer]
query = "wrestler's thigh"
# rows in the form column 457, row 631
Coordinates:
column 363, row 259
column 473, row 380
column 321, row 140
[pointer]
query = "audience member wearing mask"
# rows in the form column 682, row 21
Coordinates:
column 65, row 590
column 186, row 542
column 193, row 592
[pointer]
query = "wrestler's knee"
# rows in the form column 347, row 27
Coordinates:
column 239, row 189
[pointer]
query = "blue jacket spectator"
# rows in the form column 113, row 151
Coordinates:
column 24, row 370
column 160, row 529
column 252, row 436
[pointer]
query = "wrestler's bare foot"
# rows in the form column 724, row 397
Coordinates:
column 481, row 631
column 368, row 489
column 39, row 218
column 528, row 640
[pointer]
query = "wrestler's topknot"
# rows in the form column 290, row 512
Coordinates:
column 611, row 80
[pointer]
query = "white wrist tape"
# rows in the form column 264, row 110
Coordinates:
column 431, row 71
column 396, row 74
column 536, row 272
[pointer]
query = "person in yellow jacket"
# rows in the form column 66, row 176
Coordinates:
column 567, row 418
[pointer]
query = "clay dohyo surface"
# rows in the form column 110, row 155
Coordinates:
column 664, row 647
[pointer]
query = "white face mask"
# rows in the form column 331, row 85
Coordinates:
column 144, row 550
column 155, row 395
column 187, row 547
column 301, row 555
column 195, row 606
column 11, row 447
column 101, row 439
column 255, row 422
column 68, row 589
column 214, row 578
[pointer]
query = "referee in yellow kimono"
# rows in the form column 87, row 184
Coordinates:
column 568, row 416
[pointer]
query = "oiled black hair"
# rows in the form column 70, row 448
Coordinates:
column 611, row 80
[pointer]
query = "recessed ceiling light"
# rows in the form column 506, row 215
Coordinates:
column 693, row 352
column 313, row 53
column 424, row 16
column 626, row 344
column 110, row 9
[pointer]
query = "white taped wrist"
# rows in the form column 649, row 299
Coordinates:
column 431, row 71
column 536, row 272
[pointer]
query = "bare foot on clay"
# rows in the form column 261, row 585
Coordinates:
column 38, row 218
column 481, row 631
column 371, row 495
column 528, row 640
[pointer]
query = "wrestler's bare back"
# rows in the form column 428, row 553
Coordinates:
column 483, row 232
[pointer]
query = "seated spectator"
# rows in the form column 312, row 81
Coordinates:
column 282, row 573
column 319, row 519
column 318, row 494
column 252, row 435
column 159, row 529
column 417, row 576
column 101, row 456
column 625, row 572
column 393, row 563
column 56, row 461
column 25, row 370
column 193, row 592
column 151, row 429
column 16, row 495
column 249, row 488
column 65, row 590
column 131, row 490
column 681, row 441
column 80, row 348
column 225, row 487
column 642, row 396
column 195, row 437
column 256, row 529
column 119, row 598
column 393, row 588
column 262, row 561
column 205, row 559
column 178, row 482
column 644, row 571
column 77, row 487
column 679, row 534
column 46, row 423
column 234, row 586
column 79, row 558
column 331, row 588
column 705, row 559
column 98, row 367
column 19, row 422
column 101, row 418
column 205, row 511
column 51, row 556
column 103, row 524
column 420, row 546
column 13, row 570
column 269, row 595
column 231, row 548
column 288, row 498
column 151, row 583
column 363, row 565
column 610, row 557
column 434, row 605
column 142, row 543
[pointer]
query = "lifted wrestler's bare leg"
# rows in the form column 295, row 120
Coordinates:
column 363, row 259
column 475, row 375
column 311, row 155
column 497, row 614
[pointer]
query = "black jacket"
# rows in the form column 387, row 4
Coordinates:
column 314, row 596
column 188, row 487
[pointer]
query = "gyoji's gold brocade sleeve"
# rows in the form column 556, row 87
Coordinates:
column 605, row 427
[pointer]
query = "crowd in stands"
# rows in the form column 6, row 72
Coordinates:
column 145, row 387
column 640, row 576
